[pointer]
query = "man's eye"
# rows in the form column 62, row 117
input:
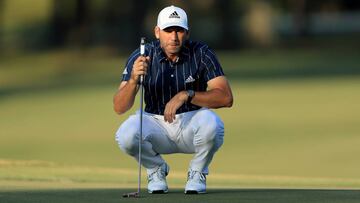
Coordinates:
column 176, row 29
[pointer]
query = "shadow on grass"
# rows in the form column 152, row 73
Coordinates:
column 213, row 195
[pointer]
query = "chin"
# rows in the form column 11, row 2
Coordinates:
column 175, row 51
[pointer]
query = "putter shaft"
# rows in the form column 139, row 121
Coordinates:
column 142, row 52
column 137, row 194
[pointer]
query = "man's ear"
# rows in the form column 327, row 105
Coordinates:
column 187, row 34
column 157, row 32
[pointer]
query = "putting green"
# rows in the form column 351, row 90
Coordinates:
column 214, row 195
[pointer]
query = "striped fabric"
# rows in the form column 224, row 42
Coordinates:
column 196, row 65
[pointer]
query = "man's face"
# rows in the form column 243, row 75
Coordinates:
column 171, row 39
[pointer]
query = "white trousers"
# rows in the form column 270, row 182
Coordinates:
column 199, row 132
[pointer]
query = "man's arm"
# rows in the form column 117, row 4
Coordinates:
column 218, row 95
column 125, row 96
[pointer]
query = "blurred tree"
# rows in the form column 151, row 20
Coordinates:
column 258, row 24
column 140, row 7
column 70, row 23
column 1, row 24
column 120, row 24
column 301, row 16
column 60, row 22
column 112, row 21
column 352, row 5
column 228, row 17
column 80, row 29
column 125, row 22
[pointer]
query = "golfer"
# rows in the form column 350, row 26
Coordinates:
column 183, row 80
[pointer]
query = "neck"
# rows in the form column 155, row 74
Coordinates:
column 173, row 57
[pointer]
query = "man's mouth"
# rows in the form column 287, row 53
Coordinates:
column 174, row 44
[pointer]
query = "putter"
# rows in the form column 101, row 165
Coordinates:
column 137, row 194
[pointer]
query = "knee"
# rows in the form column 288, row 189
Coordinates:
column 211, row 129
column 127, row 136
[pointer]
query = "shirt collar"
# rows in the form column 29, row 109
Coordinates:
column 184, row 52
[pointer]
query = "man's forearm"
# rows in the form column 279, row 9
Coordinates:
column 215, row 98
column 124, row 98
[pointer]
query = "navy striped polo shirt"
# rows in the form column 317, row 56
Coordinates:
column 196, row 65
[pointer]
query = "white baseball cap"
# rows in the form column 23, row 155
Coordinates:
column 172, row 16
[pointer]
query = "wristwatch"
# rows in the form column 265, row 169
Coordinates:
column 191, row 94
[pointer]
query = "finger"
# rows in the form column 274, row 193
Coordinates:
column 140, row 58
column 167, row 114
column 141, row 66
column 174, row 115
column 172, row 112
column 144, row 68
column 141, row 73
column 144, row 58
column 144, row 64
column 167, row 118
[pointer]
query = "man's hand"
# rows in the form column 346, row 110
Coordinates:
column 139, row 68
column 125, row 96
column 173, row 105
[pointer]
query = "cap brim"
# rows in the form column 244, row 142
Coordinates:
column 172, row 25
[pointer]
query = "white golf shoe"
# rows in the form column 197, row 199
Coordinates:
column 157, row 179
column 196, row 183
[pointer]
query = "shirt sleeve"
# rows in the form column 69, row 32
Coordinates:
column 129, row 64
column 211, row 64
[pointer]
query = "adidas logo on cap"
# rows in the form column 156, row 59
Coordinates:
column 174, row 15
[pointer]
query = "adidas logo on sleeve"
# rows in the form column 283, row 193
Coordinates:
column 189, row 79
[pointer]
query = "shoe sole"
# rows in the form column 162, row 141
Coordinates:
column 158, row 192
column 194, row 192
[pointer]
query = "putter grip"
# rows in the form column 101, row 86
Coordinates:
column 142, row 53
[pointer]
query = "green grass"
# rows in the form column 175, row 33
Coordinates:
column 292, row 63
column 58, row 69
column 219, row 195
column 292, row 133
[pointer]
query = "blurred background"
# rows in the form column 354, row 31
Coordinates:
column 110, row 28
column 294, row 66
column 44, row 25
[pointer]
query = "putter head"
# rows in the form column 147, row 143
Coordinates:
column 131, row 195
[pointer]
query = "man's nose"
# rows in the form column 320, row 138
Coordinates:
column 174, row 35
